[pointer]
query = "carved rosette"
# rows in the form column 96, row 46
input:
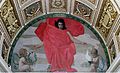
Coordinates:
column 58, row 5
column 83, row 11
column 9, row 18
column 107, row 19
column 33, row 10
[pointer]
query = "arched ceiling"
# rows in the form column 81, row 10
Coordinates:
column 18, row 15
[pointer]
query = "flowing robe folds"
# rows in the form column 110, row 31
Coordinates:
column 58, row 46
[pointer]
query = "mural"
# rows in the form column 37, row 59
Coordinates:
column 82, row 10
column 76, row 49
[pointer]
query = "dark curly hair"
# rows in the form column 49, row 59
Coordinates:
column 62, row 21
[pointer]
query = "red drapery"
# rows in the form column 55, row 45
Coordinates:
column 58, row 46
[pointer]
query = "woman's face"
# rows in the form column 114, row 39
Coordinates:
column 25, row 52
column 60, row 25
column 94, row 53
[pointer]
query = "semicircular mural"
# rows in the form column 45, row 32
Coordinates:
column 43, row 46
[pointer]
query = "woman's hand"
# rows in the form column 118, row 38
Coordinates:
column 38, row 46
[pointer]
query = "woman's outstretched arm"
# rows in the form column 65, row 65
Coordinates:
column 38, row 46
column 75, row 40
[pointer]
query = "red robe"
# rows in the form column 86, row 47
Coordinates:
column 58, row 46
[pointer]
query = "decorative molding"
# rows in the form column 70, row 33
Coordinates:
column 117, row 43
column 33, row 10
column 5, row 49
column 29, row 9
column 117, row 39
column 58, row 6
column 116, row 3
column 18, row 11
column 116, row 22
column 3, row 66
column 114, row 65
column 92, row 1
column 4, row 30
column 1, row 41
column 83, row 11
column 22, row 1
column 99, row 6
column 113, row 30
column 112, row 50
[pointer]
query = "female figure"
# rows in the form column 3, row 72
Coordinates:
column 95, row 60
column 58, row 46
column 23, row 64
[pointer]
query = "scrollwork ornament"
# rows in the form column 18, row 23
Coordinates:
column 106, row 22
column 58, row 3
